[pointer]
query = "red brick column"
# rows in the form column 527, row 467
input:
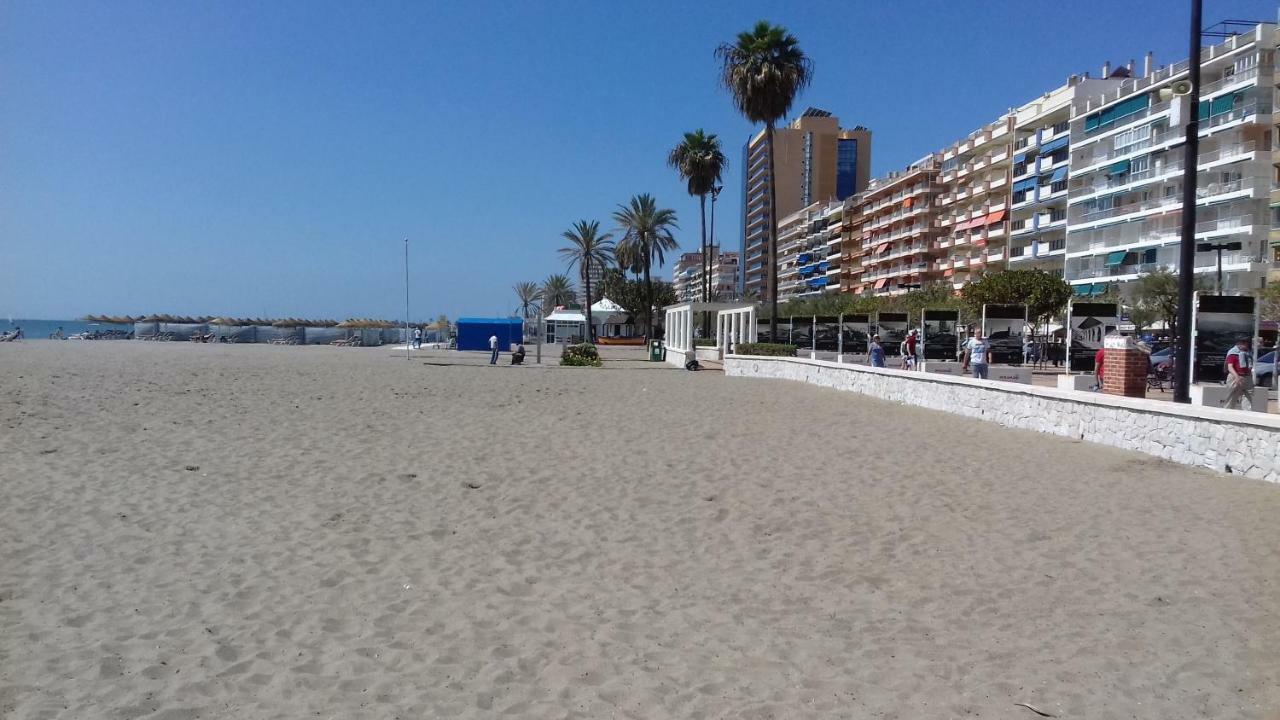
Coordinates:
column 1124, row 368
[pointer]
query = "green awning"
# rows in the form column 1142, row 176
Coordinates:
column 1118, row 168
column 1099, row 289
column 1082, row 290
column 1116, row 257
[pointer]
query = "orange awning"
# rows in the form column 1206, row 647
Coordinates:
column 908, row 203
column 994, row 217
column 948, row 273
column 882, row 247
column 880, row 283
column 980, row 242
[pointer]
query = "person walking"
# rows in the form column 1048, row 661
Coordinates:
column 1028, row 350
column 1097, row 368
column 493, row 349
column 908, row 351
column 1239, row 375
column 417, row 338
column 876, row 352
column 979, row 355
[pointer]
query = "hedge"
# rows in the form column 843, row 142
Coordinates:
column 584, row 355
column 767, row 349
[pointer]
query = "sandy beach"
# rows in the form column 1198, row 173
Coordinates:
column 220, row 531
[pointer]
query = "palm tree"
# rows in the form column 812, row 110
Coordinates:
column 700, row 162
column 527, row 293
column 557, row 290
column 647, row 237
column 764, row 70
column 589, row 249
column 628, row 260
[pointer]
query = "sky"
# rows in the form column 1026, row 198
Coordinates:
column 270, row 158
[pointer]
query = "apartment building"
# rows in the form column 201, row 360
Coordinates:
column 816, row 161
column 724, row 275
column 809, row 246
column 974, row 209
column 1041, row 165
column 686, row 275
column 1125, row 184
column 891, row 232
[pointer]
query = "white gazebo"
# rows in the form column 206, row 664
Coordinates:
column 611, row 320
column 565, row 325
column 680, row 322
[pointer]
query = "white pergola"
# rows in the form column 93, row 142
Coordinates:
column 680, row 325
column 735, row 325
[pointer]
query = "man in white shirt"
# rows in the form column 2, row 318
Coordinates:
column 493, row 349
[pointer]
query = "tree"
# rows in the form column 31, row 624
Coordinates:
column 589, row 249
column 1268, row 301
column 764, row 70
column 527, row 293
column 1044, row 295
column 1155, row 295
column 700, row 162
column 557, row 290
column 631, row 294
column 647, row 237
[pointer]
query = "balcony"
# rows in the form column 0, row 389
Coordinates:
column 1212, row 192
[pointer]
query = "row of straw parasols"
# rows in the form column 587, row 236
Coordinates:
column 352, row 323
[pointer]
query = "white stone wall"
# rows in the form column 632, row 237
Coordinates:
column 1233, row 441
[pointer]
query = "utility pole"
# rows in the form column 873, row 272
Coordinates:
column 1219, row 247
column 406, row 299
column 1187, row 254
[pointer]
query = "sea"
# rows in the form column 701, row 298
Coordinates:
column 42, row 329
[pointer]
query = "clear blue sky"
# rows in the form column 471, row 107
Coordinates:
column 267, row 158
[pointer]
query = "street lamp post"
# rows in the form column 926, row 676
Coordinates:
column 706, row 276
column 1187, row 254
column 1218, row 247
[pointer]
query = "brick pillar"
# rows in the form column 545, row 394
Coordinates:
column 1124, row 368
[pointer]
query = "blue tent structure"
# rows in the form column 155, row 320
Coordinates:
column 474, row 332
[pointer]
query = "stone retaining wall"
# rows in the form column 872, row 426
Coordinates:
column 1226, row 440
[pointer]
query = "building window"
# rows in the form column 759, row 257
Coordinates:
column 1062, row 126
column 1058, row 186
column 846, row 168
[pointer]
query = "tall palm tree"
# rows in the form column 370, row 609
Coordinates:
column 764, row 70
column 700, row 162
column 628, row 259
column 646, row 237
column 589, row 249
column 527, row 293
column 557, row 290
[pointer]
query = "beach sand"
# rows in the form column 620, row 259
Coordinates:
column 282, row 532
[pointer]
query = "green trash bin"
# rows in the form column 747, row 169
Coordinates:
column 657, row 351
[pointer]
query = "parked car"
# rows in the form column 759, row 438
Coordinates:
column 1264, row 368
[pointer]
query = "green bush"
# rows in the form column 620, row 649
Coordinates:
column 584, row 355
column 767, row 349
column 705, row 342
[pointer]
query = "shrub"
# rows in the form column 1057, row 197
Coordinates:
column 766, row 349
column 583, row 355
column 705, row 342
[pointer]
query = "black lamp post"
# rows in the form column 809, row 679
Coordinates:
column 715, row 193
column 1218, row 247
column 1187, row 254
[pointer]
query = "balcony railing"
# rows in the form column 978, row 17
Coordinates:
column 1203, row 194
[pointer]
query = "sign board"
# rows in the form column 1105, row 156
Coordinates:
column 1218, row 322
column 802, row 331
column 892, row 329
column 855, row 331
column 941, row 334
column 1004, row 327
column 826, row 334
column 1087, row 325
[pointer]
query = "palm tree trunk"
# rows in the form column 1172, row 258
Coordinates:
column 773, row 235
column 648, row 298
column 706, row 264
column 586, row 280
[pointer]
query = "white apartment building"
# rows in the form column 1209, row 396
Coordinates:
column 809, row 242
column 891, row 232
column 1041, row 161
column 685, row 277
column 725, row 267
column 974, row 211
column 1125, row 183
